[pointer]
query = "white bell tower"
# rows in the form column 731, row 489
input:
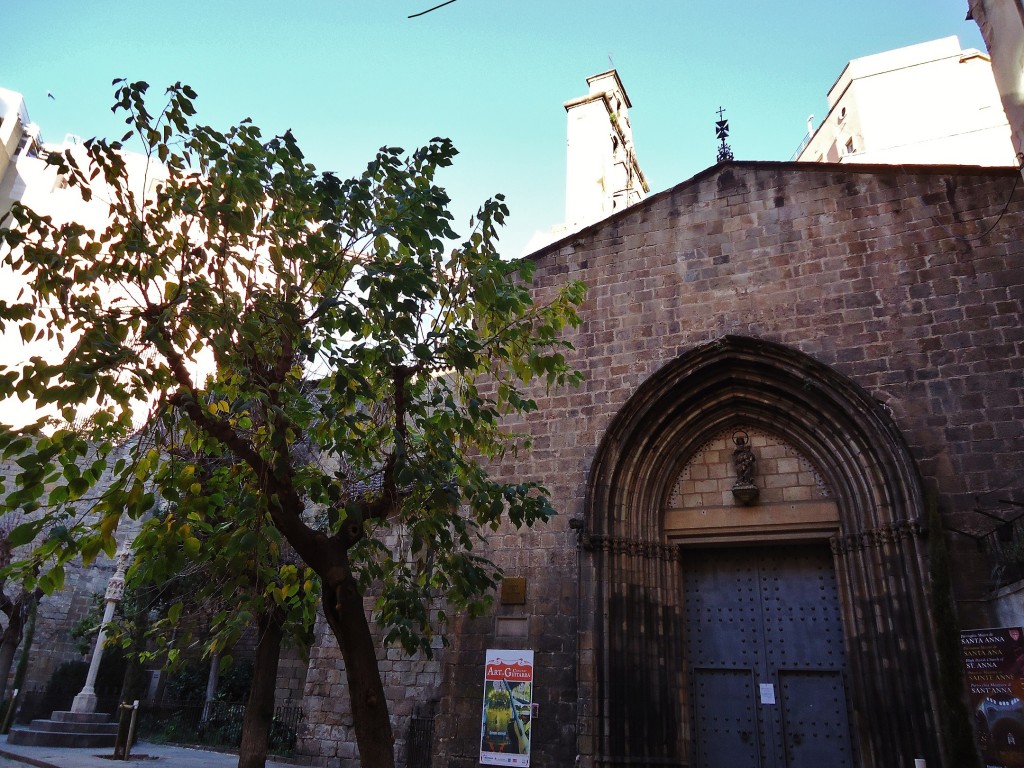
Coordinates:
column 602, row 173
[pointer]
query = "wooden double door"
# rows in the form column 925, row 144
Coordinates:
column 765, row 658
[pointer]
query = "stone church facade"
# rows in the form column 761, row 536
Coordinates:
column 858, row 330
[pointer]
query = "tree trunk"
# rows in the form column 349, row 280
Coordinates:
column 259, row 709
column 132, row 684
column 11, row 637
column 9, row 642
column 345, row 615
column 22, row 670
column 26, row 645
column 343, row 609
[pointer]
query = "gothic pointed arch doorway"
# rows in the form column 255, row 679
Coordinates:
column 655, row 553
column 764, row 655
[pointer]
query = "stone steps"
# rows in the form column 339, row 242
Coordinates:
column 63, row 716
column 67, row 729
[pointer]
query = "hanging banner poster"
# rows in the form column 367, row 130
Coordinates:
column 508, row 701
column 994, row 671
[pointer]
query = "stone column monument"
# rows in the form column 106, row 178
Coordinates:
column 83, row 726
column 85, row 701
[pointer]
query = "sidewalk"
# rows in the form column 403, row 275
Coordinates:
column 143, row 754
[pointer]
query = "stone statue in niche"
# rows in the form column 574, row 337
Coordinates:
column 744, row 489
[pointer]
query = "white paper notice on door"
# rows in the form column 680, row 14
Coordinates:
column 767, row 693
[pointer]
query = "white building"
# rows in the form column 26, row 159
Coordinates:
column 18, row 137
column 1002, row 25
column 602, row 175
column 931, row 103
column 27, row 177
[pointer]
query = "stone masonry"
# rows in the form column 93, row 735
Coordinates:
column 907, row 281
column 708, row 477
column 412, row 686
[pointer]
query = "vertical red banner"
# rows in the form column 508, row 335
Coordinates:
column 507, row 709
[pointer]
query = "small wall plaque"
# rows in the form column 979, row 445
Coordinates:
column 512, row 626
column 513, row 590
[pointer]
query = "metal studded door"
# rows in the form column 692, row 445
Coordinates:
column 765, row 654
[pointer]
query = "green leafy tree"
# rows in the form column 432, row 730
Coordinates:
column 364, row 362
column 16, row 604
column 231, row 570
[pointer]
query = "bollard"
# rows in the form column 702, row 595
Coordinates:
column 121, row 741
column 131, row 730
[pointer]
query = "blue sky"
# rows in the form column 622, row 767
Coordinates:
column 348, row 76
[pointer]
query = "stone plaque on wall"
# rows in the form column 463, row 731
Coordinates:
column 513, row 590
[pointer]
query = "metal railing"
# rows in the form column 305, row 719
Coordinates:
column 803, row 145
column 419, row 745
column 217, row 724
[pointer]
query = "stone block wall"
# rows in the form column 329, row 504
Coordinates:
column 908, row 281
column 59, row 612
column 880, row 273
column 327, row 738
column 546, row 557
column 292, row 668
column 57, row 615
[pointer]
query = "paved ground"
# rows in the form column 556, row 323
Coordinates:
column 143, row 754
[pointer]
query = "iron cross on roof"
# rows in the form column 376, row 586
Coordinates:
column 722, row 133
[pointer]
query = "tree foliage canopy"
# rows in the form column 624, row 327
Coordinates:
column 328, row 344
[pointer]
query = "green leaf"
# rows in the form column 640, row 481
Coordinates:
column 77, row 487
column 192, row 546
column 24, row 533
column 47, row 584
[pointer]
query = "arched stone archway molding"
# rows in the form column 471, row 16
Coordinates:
column 634, row 703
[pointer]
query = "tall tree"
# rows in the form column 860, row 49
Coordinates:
column 16, row 604
column 364, row 363
column 230, row 569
